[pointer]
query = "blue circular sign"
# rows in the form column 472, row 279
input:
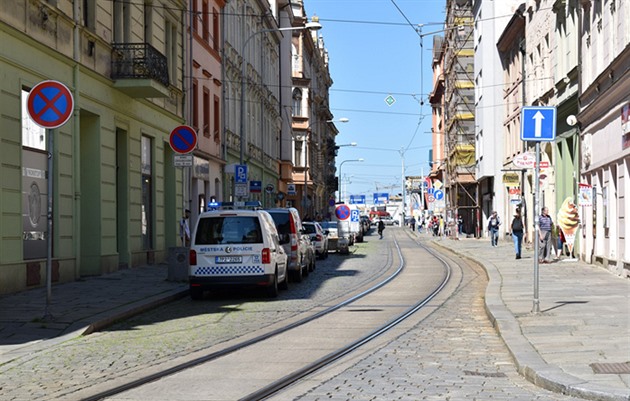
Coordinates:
column 183, row 139
column 342, row 212
column 50, row 104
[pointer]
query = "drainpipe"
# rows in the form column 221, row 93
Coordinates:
column 76, row 133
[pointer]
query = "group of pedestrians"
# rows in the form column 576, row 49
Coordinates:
column 517, row 229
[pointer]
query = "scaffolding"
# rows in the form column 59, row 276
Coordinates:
column 462, row 188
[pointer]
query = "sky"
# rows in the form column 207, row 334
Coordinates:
column 379, row 48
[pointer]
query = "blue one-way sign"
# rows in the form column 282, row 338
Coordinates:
column 538, row 123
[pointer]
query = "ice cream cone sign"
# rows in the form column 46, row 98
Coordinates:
column 569, row 221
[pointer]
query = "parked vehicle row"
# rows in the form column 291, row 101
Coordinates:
column 250, row 247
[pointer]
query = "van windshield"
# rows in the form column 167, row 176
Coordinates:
column 228, row 230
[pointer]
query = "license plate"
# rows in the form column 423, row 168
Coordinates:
column 229, row 259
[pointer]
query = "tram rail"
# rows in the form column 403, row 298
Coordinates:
column 305, row 369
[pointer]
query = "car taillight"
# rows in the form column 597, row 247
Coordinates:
column 294, row 242
column 318, row 237
column 192, row 257
column 266, row 255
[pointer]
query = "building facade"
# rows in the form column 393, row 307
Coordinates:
column 604, row 110
column 115, row 190
column 204, row 98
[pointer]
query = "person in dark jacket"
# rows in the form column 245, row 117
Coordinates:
column 381, row 227
column 517, row 233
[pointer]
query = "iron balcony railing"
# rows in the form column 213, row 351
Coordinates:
column 139, row 60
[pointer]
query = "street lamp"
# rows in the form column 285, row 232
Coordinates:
column 340, row 183
column 313, row 26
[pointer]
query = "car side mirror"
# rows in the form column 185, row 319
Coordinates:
column 326, row 232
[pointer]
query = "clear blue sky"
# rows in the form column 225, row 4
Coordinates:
column 375, row 50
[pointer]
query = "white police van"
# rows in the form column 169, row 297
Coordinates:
column 236, row 247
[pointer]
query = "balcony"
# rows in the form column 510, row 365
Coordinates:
column 139, row 70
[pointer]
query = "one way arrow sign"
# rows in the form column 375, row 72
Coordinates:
column 538, row 124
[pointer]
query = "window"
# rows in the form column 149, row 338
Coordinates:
column 216, row 127
column 170, row 44
column 195, row 106
column 33, row 136
column 298, row 152
column 89, row 20
column 206, row 21
column 195, row 17
column 206, row 113
column 122, row 21
column 147, row 192
column 148, row 21
column 215, row 29
column 297, row 102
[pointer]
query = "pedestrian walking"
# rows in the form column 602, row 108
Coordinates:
column 517, row 234
column 381, row 227
column 460, row 224
column 493, row 228
column 412, row 223
column 545, row 226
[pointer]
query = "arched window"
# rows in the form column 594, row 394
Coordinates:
column 297, row 102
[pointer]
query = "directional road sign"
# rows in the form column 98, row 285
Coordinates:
column 240, row 174
column 379, row 198
column 438, row 194
column 538, row 124
column 357, row 199
column 183, row 139
column 50, row 104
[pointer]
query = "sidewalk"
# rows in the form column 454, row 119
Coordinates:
column 583, row 325
column 80, row 307
column 579, row 342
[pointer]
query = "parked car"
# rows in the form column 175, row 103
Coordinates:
column 335, row 241
column 319, row 238
column 296, row 243
column 236, row 248
column 388, row 221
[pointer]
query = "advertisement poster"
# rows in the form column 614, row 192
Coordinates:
column 586, row 195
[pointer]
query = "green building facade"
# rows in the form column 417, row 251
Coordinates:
column 116, row 197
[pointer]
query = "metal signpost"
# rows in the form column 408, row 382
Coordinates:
column 538, row 124
column 183, row 140
column 50, row 105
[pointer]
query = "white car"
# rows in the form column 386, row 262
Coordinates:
column 319, row 238
column 336, row 242
column 236, row 248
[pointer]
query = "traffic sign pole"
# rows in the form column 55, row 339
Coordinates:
column 536, row 306
column 50, row 105
column 47, row 314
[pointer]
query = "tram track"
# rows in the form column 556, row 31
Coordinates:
column 384, row 306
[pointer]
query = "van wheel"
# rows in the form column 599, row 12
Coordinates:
column 297, row 275
column 196, row 293
column 284, row 285
column 272, row 290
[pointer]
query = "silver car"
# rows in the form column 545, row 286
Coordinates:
column 319, row 238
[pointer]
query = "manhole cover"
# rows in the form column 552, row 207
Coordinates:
column 484, row 374
column 611, row 368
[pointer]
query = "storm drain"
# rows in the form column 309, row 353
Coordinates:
column 611, row 368
column 484, row 374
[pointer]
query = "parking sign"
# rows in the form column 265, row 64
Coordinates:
column 240, row 174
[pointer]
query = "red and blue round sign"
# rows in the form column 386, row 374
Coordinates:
column 183, row 139
column 342, row 212
column 50, row 104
